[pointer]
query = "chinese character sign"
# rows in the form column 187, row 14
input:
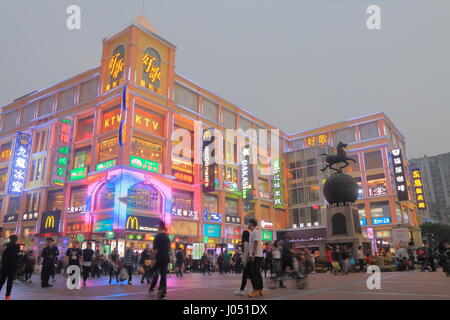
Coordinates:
column 277, row 184
column 313, row 141
column 418, row 189
column 399, row 174
column 61, row 155
column 115, row 67
column 151, row 76
column 20, row 163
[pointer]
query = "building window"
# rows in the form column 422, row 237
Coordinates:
column 369, row 130
column 230, row 152
column 28, row 113
column 147, row 150
column 228, row 119
column 145, row 197
column 82, row 158
column 361, row 211
column 182, row 201
column 398, row 213
column 186, row 98
column 55, row 200
column 346, row 135
column 10, row 120
column 210, row 110
column 66, row 98
column 88, row 90
column 249, row 211
column 106, row 196
column 210, row 203
column 78, row 197
column 108, row 150
column 316, row 215
column 263, row 188
column 353, row 166
column 380, row 209
column 245, row 124
column 373, row 160
column 230, row 174
column 3, row 174
column 37, row 169
column 32, row 202
column 85, row 128
column 376, row 185
column 46, row 106
column 314, row 193
column 13, row 205
column 231, row 206
column 5, row 152
column 40, row 141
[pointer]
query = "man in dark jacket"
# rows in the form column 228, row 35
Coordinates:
column 161, row 250
column 179, row 263
column 48, row 255
column 10, row 258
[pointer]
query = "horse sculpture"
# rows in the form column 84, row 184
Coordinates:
column 341, row 156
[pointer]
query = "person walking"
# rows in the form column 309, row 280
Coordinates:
column 179, row 258
column 114, row 265
column 88, row 255
column 329, row 260
column 245, row 238
column 48, row 262
column 337, row 260
column 256, row 259
column 74, row 256
column 361, row 259
column 128, row 262
column 146, row 263
column 161, row 249
column 29, row 263
column 277, row 261
column 10, row 258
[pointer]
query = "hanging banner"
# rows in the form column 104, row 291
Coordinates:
column 208, row 165
column 20, row 163
column 60, row 164
column 399, row 173
column 418, row 189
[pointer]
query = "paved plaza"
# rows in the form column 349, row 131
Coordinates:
column 394, row 285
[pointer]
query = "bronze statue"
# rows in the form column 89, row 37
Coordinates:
column 341, row 156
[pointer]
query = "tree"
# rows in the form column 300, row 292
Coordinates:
column 440, row 231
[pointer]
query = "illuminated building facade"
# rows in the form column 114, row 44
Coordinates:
column 385, row 186
column 101, row 167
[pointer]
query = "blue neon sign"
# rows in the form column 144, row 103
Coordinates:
column 20, row 163
column 211, row 230
column 363, row 222
column 385, row 220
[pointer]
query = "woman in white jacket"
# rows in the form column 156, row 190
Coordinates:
column 246, row 270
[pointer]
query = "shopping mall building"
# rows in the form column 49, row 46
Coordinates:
column 93, row 158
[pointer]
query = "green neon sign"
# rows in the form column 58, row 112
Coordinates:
column 171, row 236
column 105, row 165
column 64, row 150
column 110, row 235
column 80, row 237
column 78, row 174
column 144, row 164
column 205, row 239
column 267, row 235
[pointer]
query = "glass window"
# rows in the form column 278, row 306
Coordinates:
column 82, row 157
column 316, row 215
column 361, row 211
column 294, row 217
column 230, row 174
column 210, row 203
column 263, row 188
column 5, row 152
column 231, row 206
column 85, row 128
column 265, row 213
column 314, row 193
column 55, row 200
column 245, row 124
column 13, row 205
column 32, row 202
column 10, row 120
column 305, row 217
column 78, row 197
column 182, row 200
column 373, row 160
column 398, row 213
column 3, row 173
column 46, row 106
column 186, row 98
column 145, row 197
column 37, row 169
column 108, row 150
column 354, row 166
column 369, row 130
column 28, row 113
column 66, row 98
column 380, row 209
column 376, row 185
column 106, row 196
column 144, row 149
column 210, row 110
column 228, row 119
column 88, row 90
column 346, row 135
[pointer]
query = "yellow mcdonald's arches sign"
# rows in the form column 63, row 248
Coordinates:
column 132, row 223
column 50, row 222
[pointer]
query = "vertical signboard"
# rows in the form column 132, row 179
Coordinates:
column 399, row 174
column 115, row 67
column 246, row 174
column 20, row 161
column 418, row 189
column 277, row 184
column 208, row 166
column 60, row 162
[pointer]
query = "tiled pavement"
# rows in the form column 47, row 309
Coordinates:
column 394, row 285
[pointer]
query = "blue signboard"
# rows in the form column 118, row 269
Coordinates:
column 211, row 216
column 104, row 225
column 211, row 230
column 20, row 161
column 363, row 222
column 142, row 224
column 384, row 220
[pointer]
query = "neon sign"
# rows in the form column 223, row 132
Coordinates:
column 115, row 67
column 78, row 174
column 277, row 184
column 400, row 178
column 144, row 164
column 61, row 156
column 385, row 220
column 20, row 163
column 151, row 70
column 321, row 139
column 208, row 167
column 246, row 174
column 105, row 165
column 418, row 189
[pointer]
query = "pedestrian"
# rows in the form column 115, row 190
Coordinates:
column 146, row 263
column 337, row 260
column 128, row 262
column 88, row 255
column 220, row 263
column 74, row 256
column 361, row 259
column 345, row 256
column 277, row 261
column 114, row 265
column 429, row 259
column 55, row 261
column 97, row 264
column 179, row 263
column 29, row 263
column 329, row 260
column 161, row 249
column 246, row 266
column 226, row 262
column 48, row 262
column 256, row 259
column 10, row 258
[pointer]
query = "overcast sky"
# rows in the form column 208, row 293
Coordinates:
column 297, row 64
